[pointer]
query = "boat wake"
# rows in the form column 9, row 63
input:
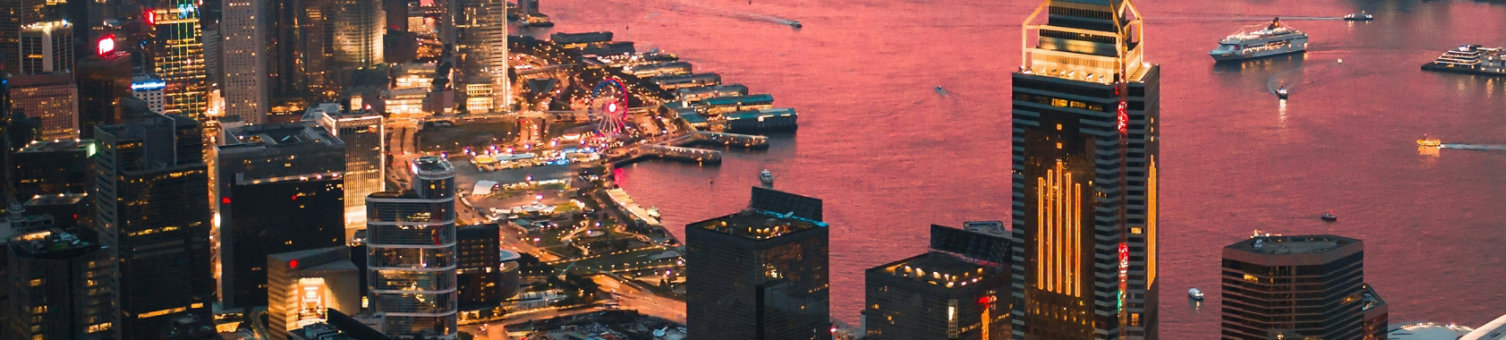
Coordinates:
column 1245, row 18
column 694, row 8
column 1475, row 147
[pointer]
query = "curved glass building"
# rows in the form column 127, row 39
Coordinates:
column 411, row 253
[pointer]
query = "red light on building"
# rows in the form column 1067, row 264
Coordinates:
column 225, row 200
column 106, row 44
column 293, row 264
column 1123, row 117
column 151, row 17
column 987, row 300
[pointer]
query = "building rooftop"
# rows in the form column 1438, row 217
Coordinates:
column 59, row 199
column 575, row 38
column 758, row 224
column 739, row 100
column 278, row 135
column 938, row 269
column 51, row 241
column 432, row 164
column 56, row 145
column 1371, row 298
column 774, row 112
column 1295, row 245
column 1493, row 330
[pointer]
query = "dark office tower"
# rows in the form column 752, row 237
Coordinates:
column 958, row 290
column 103, row 79
column 528, row 7
column 362, row 132
column 149, row 192
column 178, row 54
column 70, row 212
column 58, row 286
column 49, row 168
column 411, row 253
column 47, row 47
column 1296, row 287
column 1084, row 172
column 10, row 35
column 478, row 252
column 279, row 190
column 758, row 274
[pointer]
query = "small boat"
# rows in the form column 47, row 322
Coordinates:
column 653, row 212
column 1281, row 92
column 766, row 177
column 1195, row 294
column 795, row 24
column 1361, row 16
column 1429, row 142
column 1329, row 217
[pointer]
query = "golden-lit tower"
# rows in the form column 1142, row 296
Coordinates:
column 179, row 57
column 1085, row 107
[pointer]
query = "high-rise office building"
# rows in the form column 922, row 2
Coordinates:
column 958, row 290
column 49, row 168
column 52, row 99
column 759, row 274
column 358, row 33
column 481, row 46
column 149, row 192
column 70, row 212
column 479, row 273
column 528, row 7
column 178, row 55
column 410, row 244
column 149, row 89
column 279, row 190
column 104, row 78
column 1085, row 111
column 362, row 131
column 58, row 288
column 47, row 47
column 303, row 285
column 1298, row 287
column 244, row 43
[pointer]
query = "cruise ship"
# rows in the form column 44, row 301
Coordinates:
column 1471, row 59
column 1274, row 39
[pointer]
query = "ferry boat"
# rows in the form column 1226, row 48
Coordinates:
column 1281, row 92
column 1274, row 39
column 1329, row 217
column 1361, row 16
column 1429, row 142
column 1195, row 294
column 766, row 177
column 1471, row 59
column 796, row 24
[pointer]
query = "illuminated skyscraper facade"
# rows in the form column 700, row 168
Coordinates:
column 481, row 30
column 358, row 33
column 410, row 239
column 47, row 47
column 1085, row 108
column 245, row 37
column 178, row 55
column 51, row 98
column 362, row 132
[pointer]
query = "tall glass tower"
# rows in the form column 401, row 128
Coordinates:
column 179, row 57
column 411, row 253
column 1085, row 108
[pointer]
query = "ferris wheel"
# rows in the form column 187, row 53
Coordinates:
column 608, row 108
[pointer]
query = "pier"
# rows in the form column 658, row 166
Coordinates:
column 723, row 139
column 684, row 154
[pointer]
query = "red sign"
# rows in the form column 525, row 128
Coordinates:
column 1123, row 261
column 1123, row 117
column 106, row 44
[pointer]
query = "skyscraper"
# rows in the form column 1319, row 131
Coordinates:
column 759, row 274
column 479, row 255
column 58, row 286
column 481, row 30
column 358, row 33
column 303, row 285
column 150, row 90
column 178, row 55
column 1085, row 111
column 1298, row 287
column 244, row 43
column 151, row 213
column 365, row 173
column 411, row 253
column 103, row 77
column 47, row 47
column 51, row 167
column 958, row 290
column 52, row 99
column 279, row 190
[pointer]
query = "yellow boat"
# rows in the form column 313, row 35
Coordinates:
column 1429, row 142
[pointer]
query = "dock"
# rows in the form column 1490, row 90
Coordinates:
column 684, row 154
column 723, row 139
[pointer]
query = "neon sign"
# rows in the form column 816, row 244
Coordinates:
column 106, row 44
